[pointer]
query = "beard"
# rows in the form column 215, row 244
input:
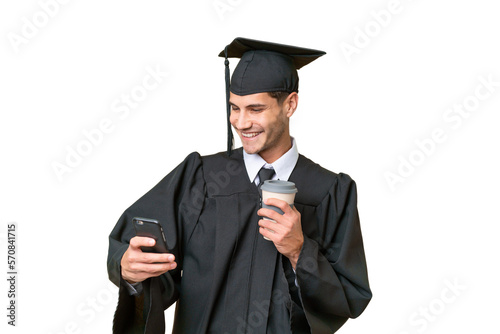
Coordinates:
column 274, row 134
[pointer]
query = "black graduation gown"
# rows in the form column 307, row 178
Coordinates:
column 229, row 279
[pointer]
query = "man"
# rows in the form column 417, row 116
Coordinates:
column 226, row 278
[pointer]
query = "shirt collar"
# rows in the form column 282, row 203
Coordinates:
column 283, row 167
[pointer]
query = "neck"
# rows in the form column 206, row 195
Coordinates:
column 274, row 153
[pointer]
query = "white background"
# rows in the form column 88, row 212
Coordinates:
column 358, row 114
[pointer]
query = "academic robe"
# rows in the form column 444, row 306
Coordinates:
column 229, row 279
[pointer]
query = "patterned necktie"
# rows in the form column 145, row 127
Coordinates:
column 264, row 175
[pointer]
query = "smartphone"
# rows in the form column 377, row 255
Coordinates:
column 146, row 227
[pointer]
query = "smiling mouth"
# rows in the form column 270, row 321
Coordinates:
column 250, row 134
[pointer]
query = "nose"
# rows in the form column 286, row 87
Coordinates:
column 242, row 121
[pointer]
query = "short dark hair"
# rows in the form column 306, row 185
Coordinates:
column 280, row 96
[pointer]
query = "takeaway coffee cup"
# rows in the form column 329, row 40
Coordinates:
column 283, row 190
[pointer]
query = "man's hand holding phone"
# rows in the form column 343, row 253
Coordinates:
column 138, row 266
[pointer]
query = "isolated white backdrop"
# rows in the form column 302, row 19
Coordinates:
column 386, row 82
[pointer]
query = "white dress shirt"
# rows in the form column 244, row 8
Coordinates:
column 283, row 167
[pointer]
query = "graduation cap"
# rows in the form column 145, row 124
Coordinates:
column 264, row 67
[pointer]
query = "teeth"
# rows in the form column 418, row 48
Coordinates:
column 250, row 135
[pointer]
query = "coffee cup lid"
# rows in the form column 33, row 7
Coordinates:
column 279, row 186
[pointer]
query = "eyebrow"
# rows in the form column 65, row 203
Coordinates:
column 255, row 105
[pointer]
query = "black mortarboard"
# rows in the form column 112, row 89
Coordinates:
column 264, row 67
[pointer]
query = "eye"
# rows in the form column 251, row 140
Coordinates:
column 234, row 108
column 257, row 110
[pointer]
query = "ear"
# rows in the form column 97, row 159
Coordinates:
column 291, row 103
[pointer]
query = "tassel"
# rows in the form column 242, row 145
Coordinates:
column 228, row 106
